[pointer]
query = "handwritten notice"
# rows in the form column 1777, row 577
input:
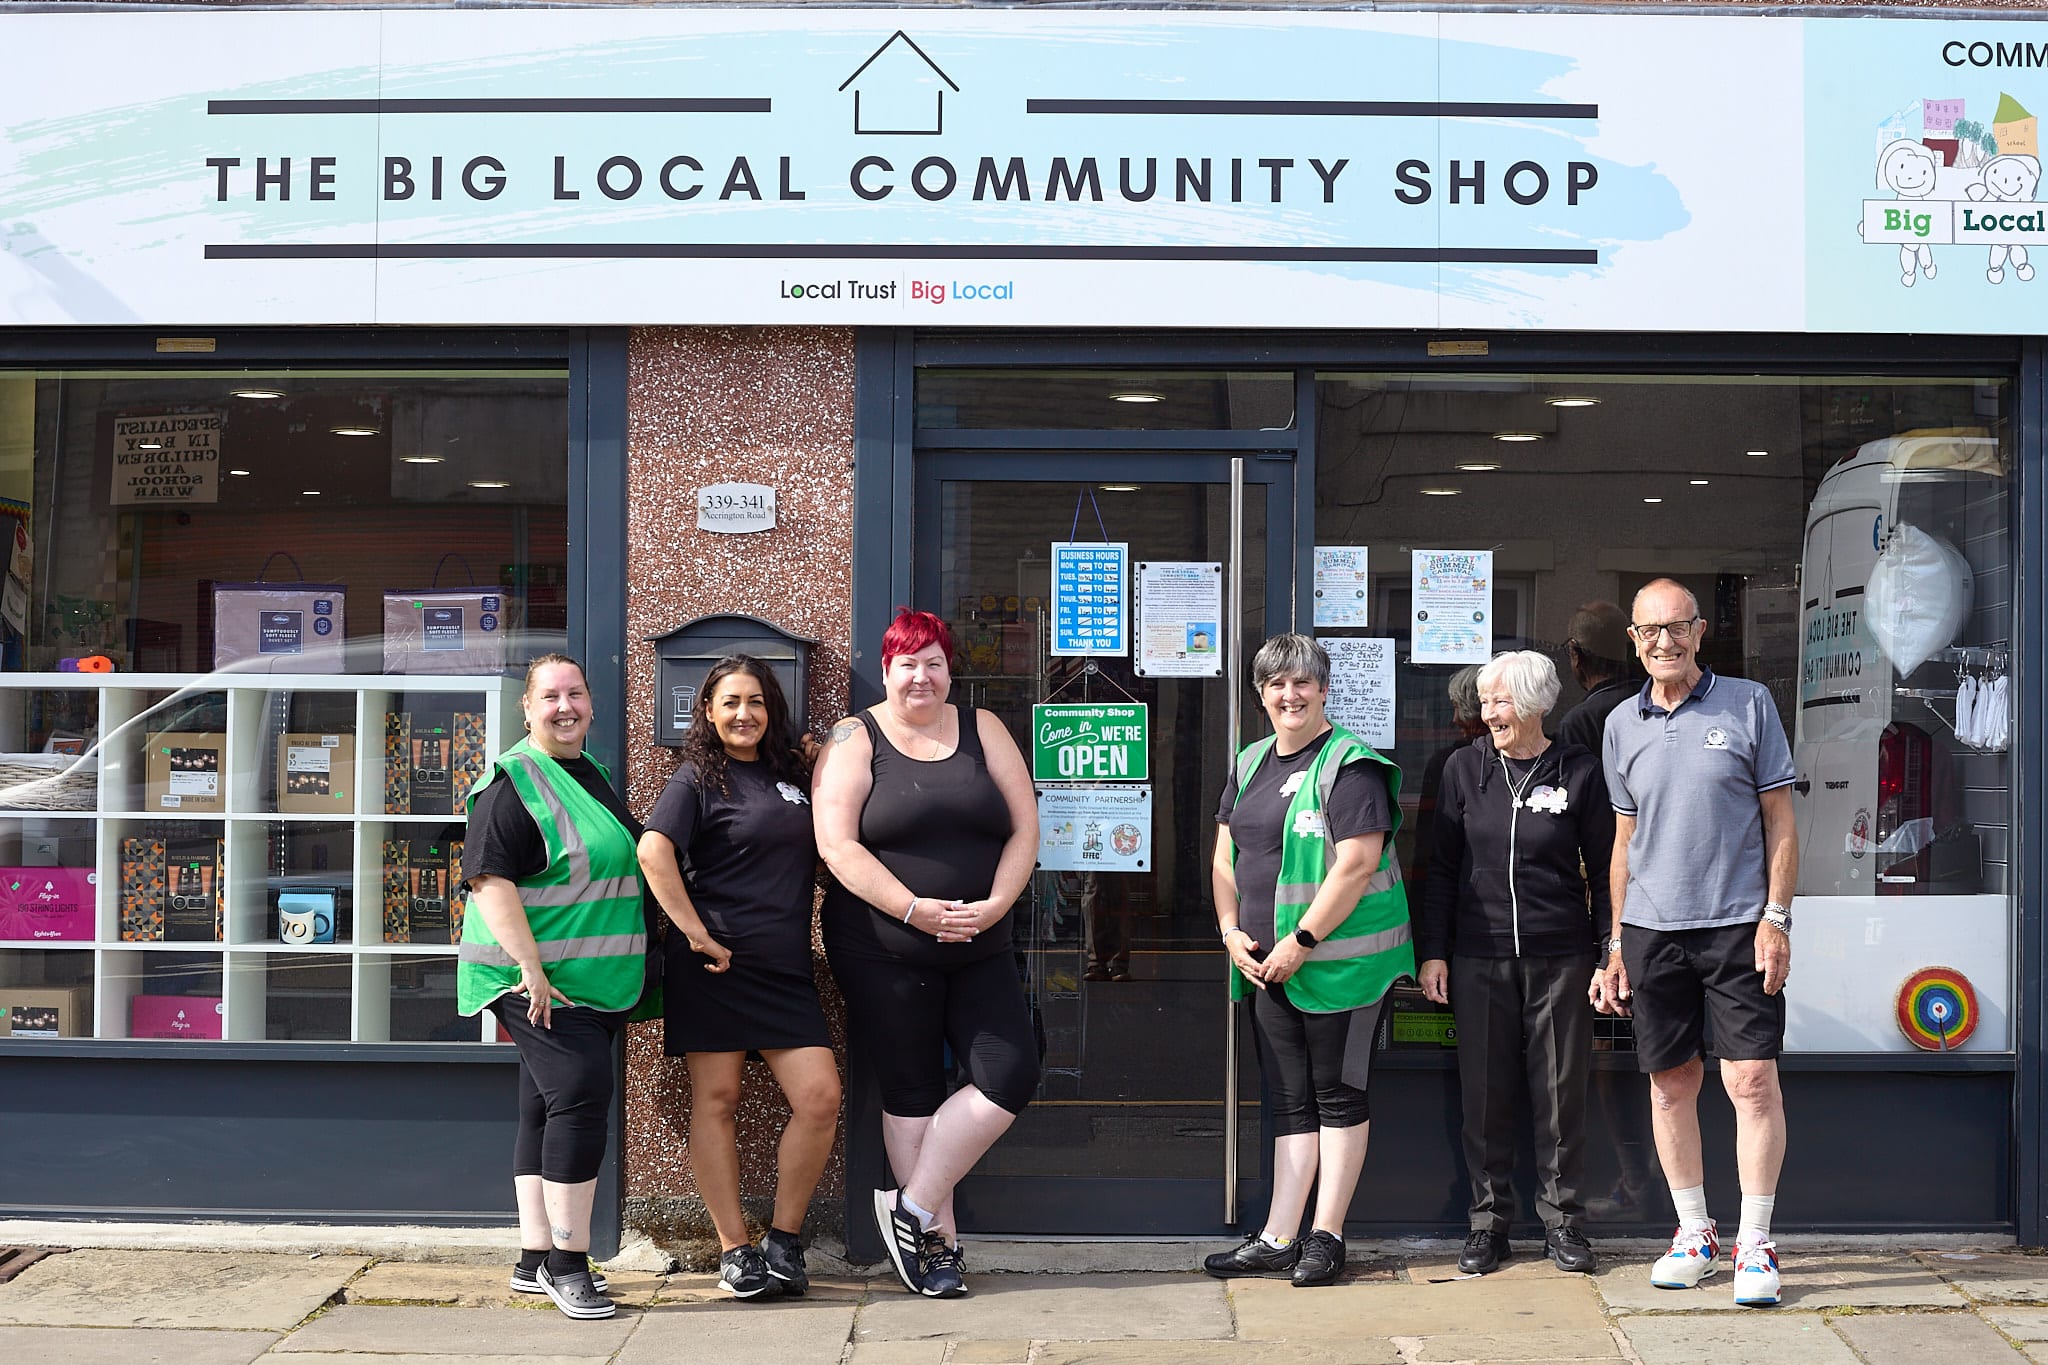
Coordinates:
column 1452, row 606
column 1343, row 590
column 1362, row 688
column 1180, row 619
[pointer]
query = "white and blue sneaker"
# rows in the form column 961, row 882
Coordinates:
column 1756, row 1274
column 1693, row 1257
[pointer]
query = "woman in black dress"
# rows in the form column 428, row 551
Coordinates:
column 927, row 820
column 739, row 976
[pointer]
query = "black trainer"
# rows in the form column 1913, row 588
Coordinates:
column 574, row 1295
column 784, row 1256
column 902, row 1238
column 1568, row 1246
column 1484, row 1251
column 943, row 1269
column 524, row 1281
column 744, row 1275
column 1321, row 1260
column 1253, row 1257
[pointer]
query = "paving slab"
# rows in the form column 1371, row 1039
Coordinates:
column 786, row 1332
column 899, row 1353
column 1214, row 1353
column 357, row 1358
column 2021, row 1324
column 991, row 1352
column 434, row 1332
column 1461, row 1346
column 1757, row 1337
column 1056, row 1308
column 441, row 1284
column 116, row 1346
column 1820, row 1279
column 695, row 1287
column 1498, row 1304
column 1993, row 1277
column 204, row 1289
column 1912, row 1338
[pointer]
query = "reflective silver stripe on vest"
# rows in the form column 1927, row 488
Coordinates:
column 573, row 850
column 558, row 949
column 1304, row 893
column 1365, row 945
column 610, row 888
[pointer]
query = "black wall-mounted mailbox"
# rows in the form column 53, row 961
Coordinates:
column 685, row 655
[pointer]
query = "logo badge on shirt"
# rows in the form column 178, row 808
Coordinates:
column 1717, row 738
column 1550, row 800
column 1309, row 824
column 1293, row 783
column 792, row 795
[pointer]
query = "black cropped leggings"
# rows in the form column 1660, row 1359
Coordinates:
column 903, row 1016
column 565, row 1089
column 1316, row 1065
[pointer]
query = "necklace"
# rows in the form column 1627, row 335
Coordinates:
column 901, row 731
column 1528, row 775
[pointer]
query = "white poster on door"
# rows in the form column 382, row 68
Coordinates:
column 1362, row 688
column 1452, row 606
column 1343, row 591
column 1105, row 827
column 1180, row 619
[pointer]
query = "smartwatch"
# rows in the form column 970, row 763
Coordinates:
column 1304, row 938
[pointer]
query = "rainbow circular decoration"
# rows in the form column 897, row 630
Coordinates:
column 1937, row 1008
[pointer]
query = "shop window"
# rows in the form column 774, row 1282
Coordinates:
column 1789, row 506
column 1105, row 400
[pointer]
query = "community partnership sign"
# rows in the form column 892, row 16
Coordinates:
column 1019, row 168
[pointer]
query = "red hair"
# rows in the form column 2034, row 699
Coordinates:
column 913, row 632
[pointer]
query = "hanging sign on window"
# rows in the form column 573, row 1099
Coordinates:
column 1452, row 608
column 1362, row 688
column 1343, row 591
column 166, row 459
column 1180, row 619
column 1090, row 609
column 736, row 508
column 1090, row 741
column 1095, row 829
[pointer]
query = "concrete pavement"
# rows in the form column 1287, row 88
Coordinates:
column 1399, row 1304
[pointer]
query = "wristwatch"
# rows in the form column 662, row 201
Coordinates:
column 1304, row 938
column 1609, row 946
column 1779, row 917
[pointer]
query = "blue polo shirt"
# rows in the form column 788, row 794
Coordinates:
column 1691, row 777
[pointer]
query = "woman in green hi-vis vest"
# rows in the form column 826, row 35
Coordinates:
column 1312, row 912
column 556, row 947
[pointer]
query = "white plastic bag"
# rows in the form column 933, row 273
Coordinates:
column 1918, row 594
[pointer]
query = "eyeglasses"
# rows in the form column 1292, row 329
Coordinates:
column 1681, row 631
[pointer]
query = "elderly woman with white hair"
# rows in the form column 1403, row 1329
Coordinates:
column 1510, row 920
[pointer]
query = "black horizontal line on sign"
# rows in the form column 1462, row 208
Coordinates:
column 495, row 106
column 1318, row 108
column 425, row 251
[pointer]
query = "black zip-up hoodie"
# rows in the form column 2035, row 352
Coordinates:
column 1505, row 882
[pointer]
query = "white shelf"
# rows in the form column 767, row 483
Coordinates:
column 132, row 705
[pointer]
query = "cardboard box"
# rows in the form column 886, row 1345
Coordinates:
column 143, row 874
column 57, row 850
column 397, row 761
column 38, row 903
column 472, row 758
column 420, row 761
column 175, row 1016
column 316, row 774
column 45, row 1011
column 186, row 771
column 280, row 627
column 193, row 908
column 423, row 901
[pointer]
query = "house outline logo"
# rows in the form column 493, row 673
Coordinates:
column 903, row 103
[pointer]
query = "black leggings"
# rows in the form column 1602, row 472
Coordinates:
column 565, row 1089
column 1315, row 1065
column 900, row 1015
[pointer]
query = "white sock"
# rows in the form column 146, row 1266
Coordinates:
column 1692, row 1208
column 1756, row 1219
column 924, row 1216
column 1274, row 1242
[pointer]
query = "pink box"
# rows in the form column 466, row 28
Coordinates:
column 47, row 903
column 174, row 1016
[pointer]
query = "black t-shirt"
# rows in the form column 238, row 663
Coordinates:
column 1258, row 822
column 503, row 841
column 749, row 861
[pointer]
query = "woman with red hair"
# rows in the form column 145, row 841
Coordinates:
column 926, row 818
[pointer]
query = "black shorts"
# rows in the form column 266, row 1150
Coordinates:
column 1696, row 991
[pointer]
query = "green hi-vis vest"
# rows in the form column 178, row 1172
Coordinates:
column 1358, row 960
column 584, row 907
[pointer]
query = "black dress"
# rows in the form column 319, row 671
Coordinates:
column 749, row 857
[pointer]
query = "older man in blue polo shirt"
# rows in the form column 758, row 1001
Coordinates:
column 1704, row 866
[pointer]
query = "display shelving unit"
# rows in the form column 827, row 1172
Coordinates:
column 357, row 989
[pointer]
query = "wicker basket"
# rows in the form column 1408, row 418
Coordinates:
column 49, row 781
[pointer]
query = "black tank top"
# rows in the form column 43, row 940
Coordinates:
column 939, row 827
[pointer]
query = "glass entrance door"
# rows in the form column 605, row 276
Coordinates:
column 1122, row 969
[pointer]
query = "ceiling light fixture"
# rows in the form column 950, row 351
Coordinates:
column 1137, row 396
column 149, row 445
column 489, row 483
column 1697, row 483
column 1440, row 492
column 239, row 473
column 348, row 429
column 419, row 459
column 1653, row 499
column 1758, row 454
column 1517, row 436
column 1117, row 487
column 1477, row 468
column 1572, row 401
column 256, row 393
column 309, row 492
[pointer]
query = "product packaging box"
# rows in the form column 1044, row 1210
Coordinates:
column 143, row 877
column 45, row 1011
column 420, row 761
column 448, row 630
column 316, row 774
column 186, row 771
column 280, row 627
column 47, row 903
column 193, row 909
column 422, row 900
column 56, row 850
column 397, row 764
column 175, row 1016
column 472, row 758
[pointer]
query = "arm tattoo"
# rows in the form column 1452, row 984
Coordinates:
column 845, row 730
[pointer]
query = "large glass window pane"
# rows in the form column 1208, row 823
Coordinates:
column 1106, row 400
column 1794, row 508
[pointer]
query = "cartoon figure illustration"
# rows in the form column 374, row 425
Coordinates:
column 2011, row 178
column 1907, row 168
